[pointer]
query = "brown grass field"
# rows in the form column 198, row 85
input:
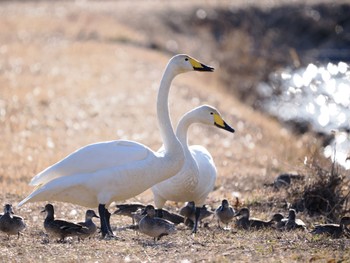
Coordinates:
column 74, row 73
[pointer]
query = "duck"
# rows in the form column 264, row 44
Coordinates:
column 245, row 222
column 11, row 224
column 224, row 213
column 188, row 209
column 280, row 221
column 100, row 173
column 293, row 222
column 131, row 210
column 189, row 213
column 334, row 230
column 135, row 210
column 127, row 209
column 154, row 226
column 89, row 227
column 197, row 177
column 60, row 228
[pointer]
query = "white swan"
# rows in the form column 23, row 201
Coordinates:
column 197, row 177
column 101, row 173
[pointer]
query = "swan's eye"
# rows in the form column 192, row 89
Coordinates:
column 186, row 59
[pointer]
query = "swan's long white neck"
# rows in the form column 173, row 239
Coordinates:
column 182, row 128
column 170, row 142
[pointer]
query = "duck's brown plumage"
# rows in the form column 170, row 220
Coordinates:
column 154, row 226
column 60, row 228
column 89, row 227
column 334, row 230
column 134, row 211
column 11, row 224
column 224, row 213
column 294, row 223
column 245, row 222
column 189, row 213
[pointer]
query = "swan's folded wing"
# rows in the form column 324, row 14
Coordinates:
column 64, row 189
column 92, row 158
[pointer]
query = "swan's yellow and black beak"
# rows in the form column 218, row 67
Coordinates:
column 220, row 123
column 197, row 66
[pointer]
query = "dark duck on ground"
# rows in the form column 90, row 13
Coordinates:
column 334, row 230
column 60, row 228
column 89, row 227
column 224, row 213
column 154, row 226
column 10, row 223
column 247, row 223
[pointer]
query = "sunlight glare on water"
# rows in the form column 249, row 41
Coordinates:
column 318, row 95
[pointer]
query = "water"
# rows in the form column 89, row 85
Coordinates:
column 318, row 95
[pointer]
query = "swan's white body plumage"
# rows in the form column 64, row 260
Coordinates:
column 193, row 183
column 197, row 177
column 105, row 184
column 112, row 171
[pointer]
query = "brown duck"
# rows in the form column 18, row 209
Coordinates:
column 334, row 230
column 224, row 213
column 189, row 213
column 245, row 222
column 60, row 228
column 10, row 223
column 89, row 227
column 294, row 223
column 154, row 226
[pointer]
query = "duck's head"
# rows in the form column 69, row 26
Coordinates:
column 191, row 204
column 183, row 63
column 244, row 212
column 90, row 214
column 225, row 203
column 8, row 209
column 48, row 208
column 277, row 217
column 149, row 210
column 292, row 214
column 206, row 114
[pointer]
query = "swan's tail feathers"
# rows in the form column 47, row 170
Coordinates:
column 25, row 200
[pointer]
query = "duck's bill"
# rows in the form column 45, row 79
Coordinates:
column 225, row 126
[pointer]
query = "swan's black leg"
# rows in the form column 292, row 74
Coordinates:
column 197, row 214
column 108, row 216
column 104, row 219
column 101, row 211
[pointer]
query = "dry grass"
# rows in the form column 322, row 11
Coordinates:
column 73, row 74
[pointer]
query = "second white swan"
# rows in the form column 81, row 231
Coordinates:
column 197, row 177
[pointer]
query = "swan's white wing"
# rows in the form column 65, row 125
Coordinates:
column 206, row 168
column 103, row 186
column 63, row 190
column 92, row 158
